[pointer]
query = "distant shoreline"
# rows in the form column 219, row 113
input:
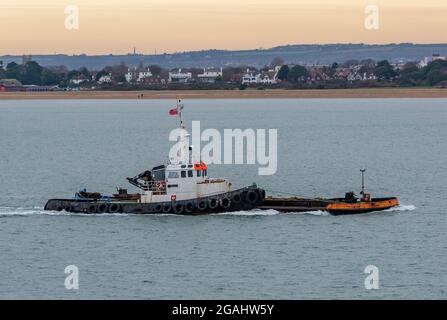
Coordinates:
column 373, row 93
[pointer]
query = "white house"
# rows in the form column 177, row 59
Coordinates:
column 210, row 75
column 130, row 75
column 137, row 74
column 265, row 77
column 270, row 76
column 78, row 80
column 179, row 76
column 249, row 77
column 144, row 74
column 107, row 78
column 354, row 76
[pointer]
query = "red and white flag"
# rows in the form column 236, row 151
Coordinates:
column 173, row 112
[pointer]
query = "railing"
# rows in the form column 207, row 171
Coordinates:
column 157, row 187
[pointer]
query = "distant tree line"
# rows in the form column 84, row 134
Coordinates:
column 291, row 76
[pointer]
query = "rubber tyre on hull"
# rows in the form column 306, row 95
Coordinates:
column 236, row 198
column 213, row 203
column 202, row 205
column 158, row 208
column 167, row 208
column 225, row 203
column 91, row 208
column 103, row 208
column 178, row 208
column 252, row 197
column 114, row 208
column 189, row 207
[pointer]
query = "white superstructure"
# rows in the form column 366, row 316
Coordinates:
column 181, row 178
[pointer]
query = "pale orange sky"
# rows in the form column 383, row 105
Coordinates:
column 116, row 26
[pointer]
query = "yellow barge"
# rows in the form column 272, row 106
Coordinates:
column 350, row 204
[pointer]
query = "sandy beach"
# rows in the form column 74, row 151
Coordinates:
column 236, row 94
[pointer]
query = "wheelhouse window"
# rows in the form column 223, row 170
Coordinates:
column 183, row 174
column 173, row 174
column 190, row 174
column 158, row 175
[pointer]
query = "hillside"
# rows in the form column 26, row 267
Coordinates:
column 301, row 54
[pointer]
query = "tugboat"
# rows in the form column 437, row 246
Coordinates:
column 181, row 186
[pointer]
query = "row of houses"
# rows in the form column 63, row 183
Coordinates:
column 145, row 76
column 424, row 62
column 249, row 77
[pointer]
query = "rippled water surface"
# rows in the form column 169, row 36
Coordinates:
column 53, row 148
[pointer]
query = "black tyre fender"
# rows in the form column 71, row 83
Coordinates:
column 158, row 207
column 68, row 208
column 261, row 194
column 178, row 208
column 103, row 208
column 236, row 198
column 167, row 208
column 202, row 205
column 225, row 203
column 252, row 197
column 213, row 203
column 114, row 208
column 189, row 207
column 91, row 208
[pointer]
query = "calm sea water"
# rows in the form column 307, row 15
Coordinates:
column 53, row 148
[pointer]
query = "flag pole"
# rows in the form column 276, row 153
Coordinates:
column 179, row 112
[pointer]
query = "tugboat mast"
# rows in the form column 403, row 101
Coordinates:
column 179, row 112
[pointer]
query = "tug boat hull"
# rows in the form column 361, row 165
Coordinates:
column 247, row 198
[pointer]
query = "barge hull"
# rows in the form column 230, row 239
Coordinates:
column 335, row 207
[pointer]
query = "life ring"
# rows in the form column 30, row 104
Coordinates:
column 159, row 185
column 91, row 208
column 189, row 207
column 158, row 207
column 236, row 198
column 114, row 208
column 225, row 203
column 201, row 205
column 167, row 208
column 103, row 207
column 252, row 197
column 178, row 208
column 213, row 203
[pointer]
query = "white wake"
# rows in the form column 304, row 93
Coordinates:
column 11, row 211
column 402, row 207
